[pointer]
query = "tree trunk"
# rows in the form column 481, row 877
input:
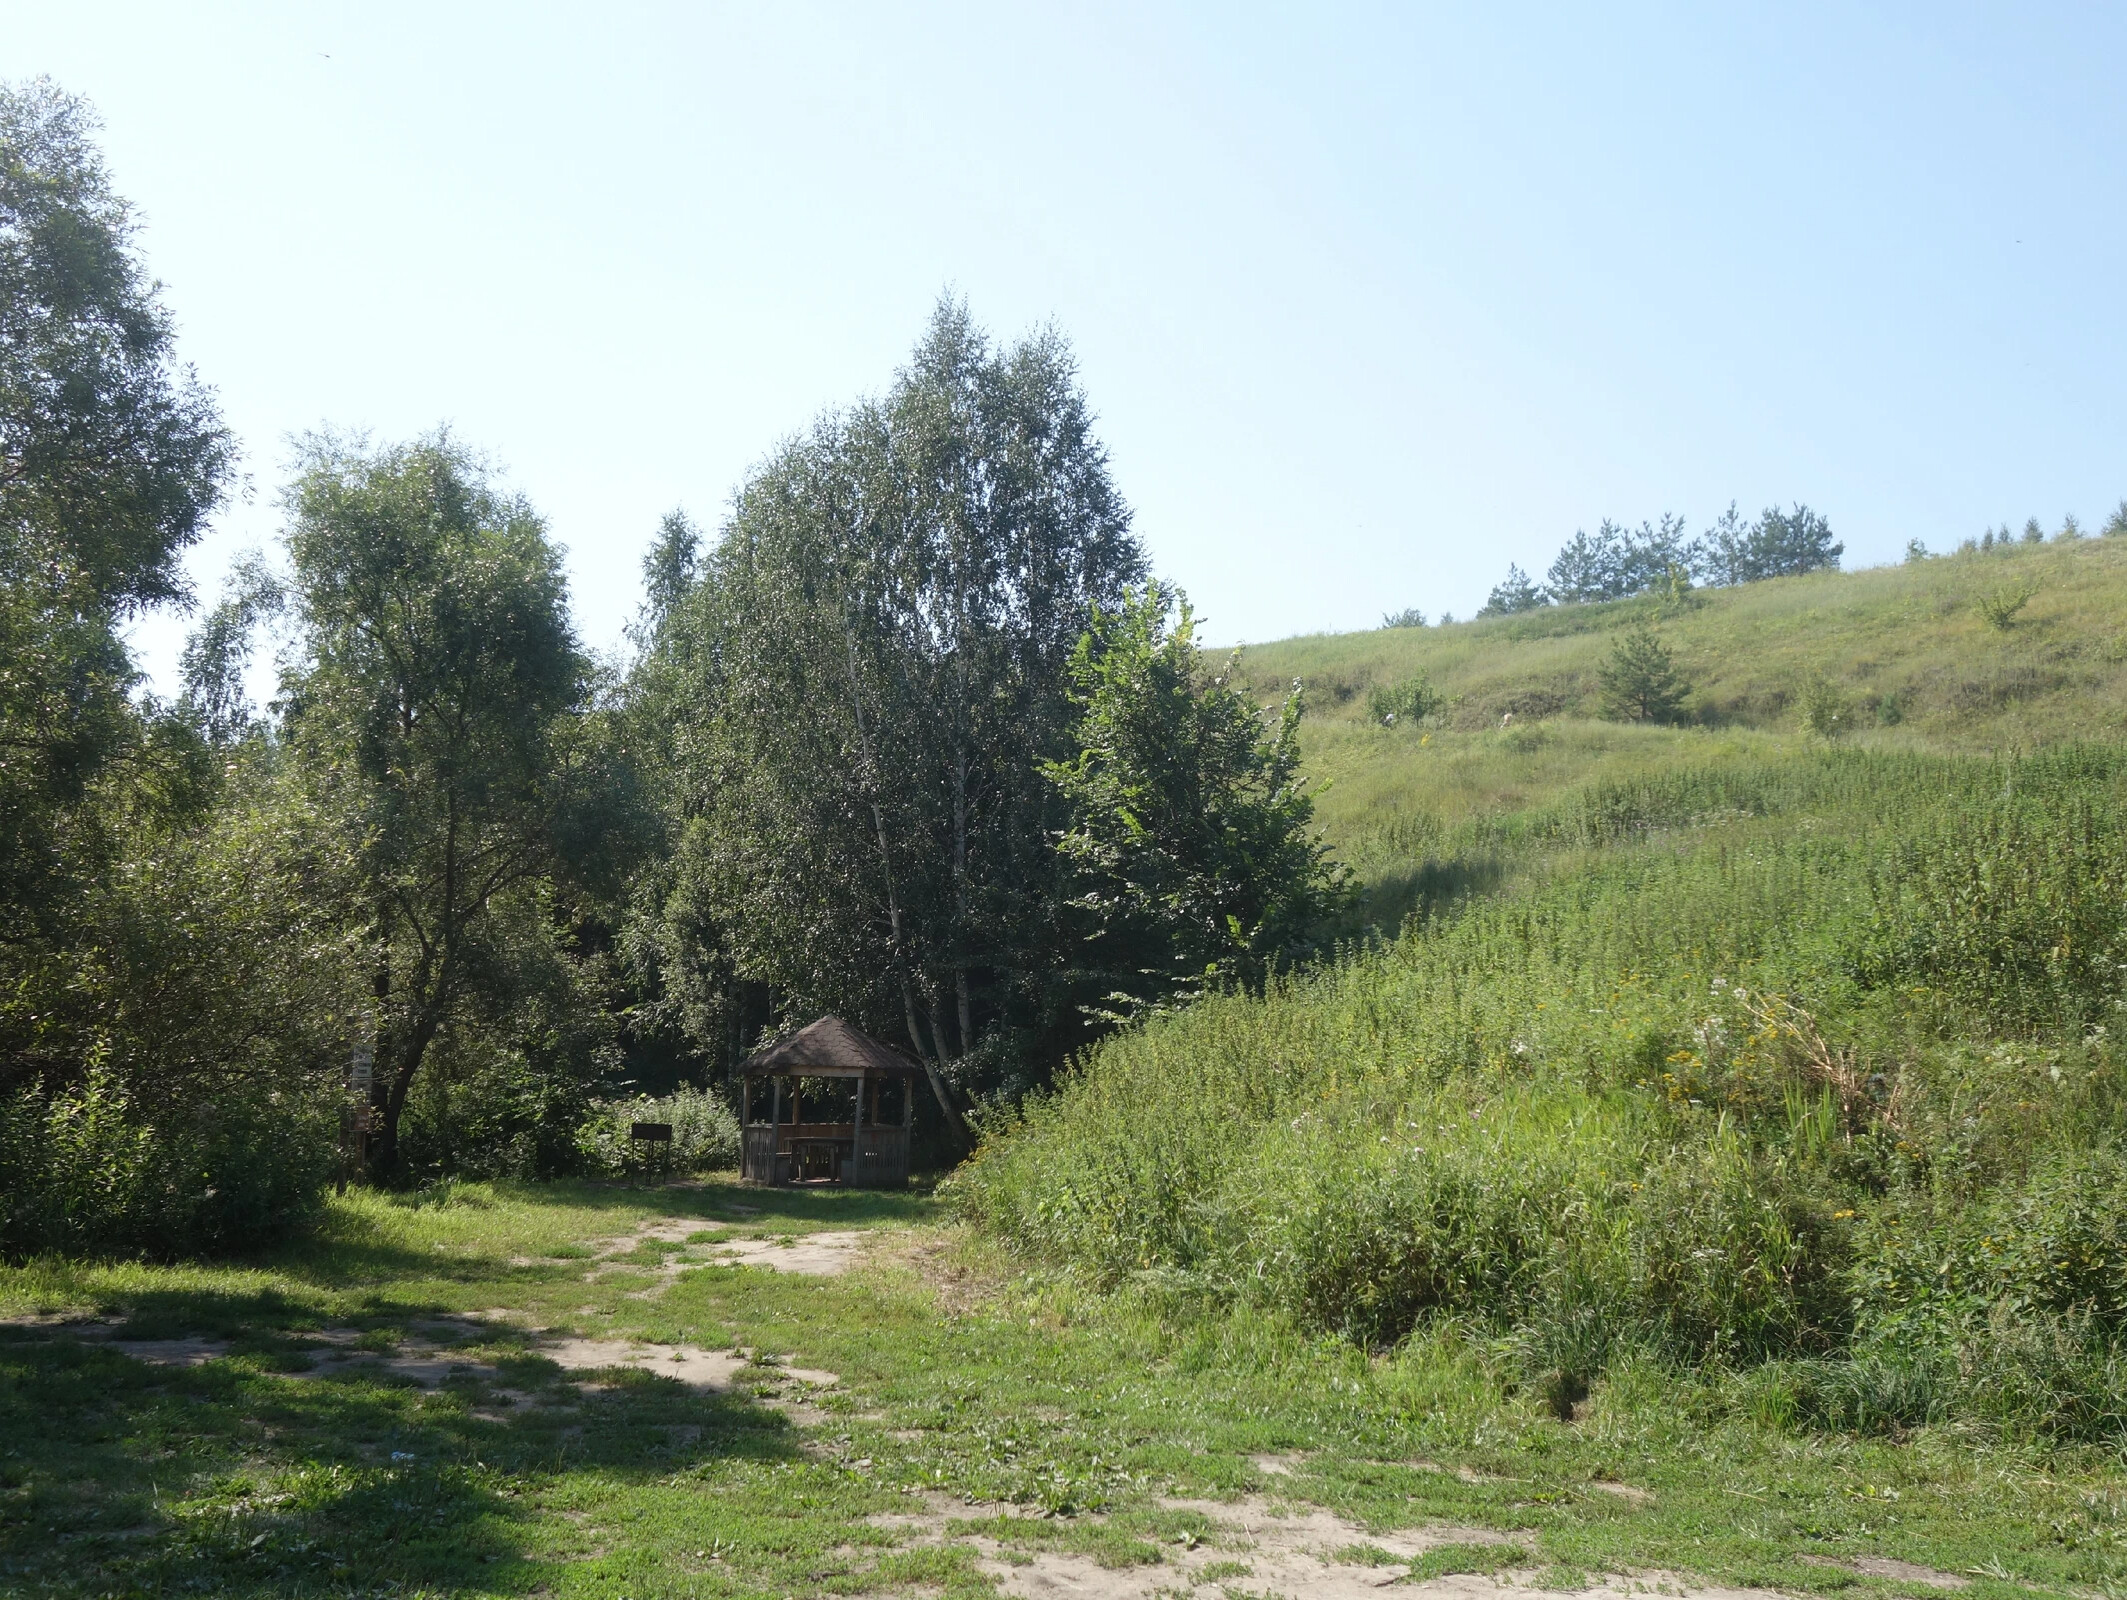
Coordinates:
column 893, row 904
column 384, row 1163
column 960, row 918
column 930, row 1067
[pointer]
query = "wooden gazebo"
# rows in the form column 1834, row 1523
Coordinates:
column 868, row 1151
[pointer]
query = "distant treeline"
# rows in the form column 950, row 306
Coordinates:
column 1620, row 561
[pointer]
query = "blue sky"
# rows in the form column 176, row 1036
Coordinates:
column 1371, row 300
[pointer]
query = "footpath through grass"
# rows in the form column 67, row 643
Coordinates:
column 963, row 1390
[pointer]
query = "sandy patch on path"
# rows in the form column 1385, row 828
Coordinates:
column 815, row 1255
column 1887, row 1567
column 171, row 1352
column 1628, row 1492
column 658, row 1230
column 812, row 1255
column 432, row 1360
column 1260, row 1550
column 697, row 1369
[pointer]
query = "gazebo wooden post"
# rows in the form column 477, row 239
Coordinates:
column 745, row 1102
column 856, row 1130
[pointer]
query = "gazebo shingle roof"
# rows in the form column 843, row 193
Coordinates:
column 829, row 1045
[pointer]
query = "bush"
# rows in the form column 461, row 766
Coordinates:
column 85, row 1171
column 1825, row 710
column 705, row 1135
column 1411, row 700
column 1640, row 679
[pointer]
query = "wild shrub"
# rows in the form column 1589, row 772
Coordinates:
column 2000, row 606
column 86, row 1170
column 2016, row 914
column 1799, row 1066
column 1826, row 712
column 705, row 1135
column 1407, row 701
column 1640, row 680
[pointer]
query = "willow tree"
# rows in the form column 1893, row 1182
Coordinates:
column 440, row 712
column 864, row 683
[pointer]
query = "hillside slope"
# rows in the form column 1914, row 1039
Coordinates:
column 1907, row 644
column 1742, row 1053
column 1904, row 651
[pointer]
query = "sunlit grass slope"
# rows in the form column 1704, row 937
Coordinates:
column 1733, row 1046
column 1908, row 643
column 1904, row 653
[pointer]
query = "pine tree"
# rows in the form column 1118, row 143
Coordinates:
column 1640, row 681
column 1514, row 593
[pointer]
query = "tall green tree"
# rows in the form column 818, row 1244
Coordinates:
column 1190, row 835
column 1514, row 593
column 112, row 457
column 864, row 682
column 441, row 712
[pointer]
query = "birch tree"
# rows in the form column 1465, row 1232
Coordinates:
column 869, row 674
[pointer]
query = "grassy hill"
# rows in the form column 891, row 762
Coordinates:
column 1904, row 654
column 1733, row 1051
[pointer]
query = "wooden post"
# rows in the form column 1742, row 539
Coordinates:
column 775, row 1133
column 745, row 1102
column 908, row 1103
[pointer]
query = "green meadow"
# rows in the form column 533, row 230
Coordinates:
column 1699, row 1155
column 983, row 1420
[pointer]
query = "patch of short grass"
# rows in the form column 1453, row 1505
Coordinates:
column 1088, row 1413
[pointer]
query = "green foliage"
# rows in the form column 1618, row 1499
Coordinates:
column 1410, row 617
column 1189, row 821
column 2000, row 606
column 440, row 715
column 1826, row 711
column 705, row 1135
column 87, row 1169
column 851, row 707
column 111, row 459
column 1514, row 593
column 1620, row 561
column 115, row 455
column 1640, row 681
column 1617, row 562
column 1559, row 1117
column 1780, row 544
column 2116, row 524
column 1412, row 700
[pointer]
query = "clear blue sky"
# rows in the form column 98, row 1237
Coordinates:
column 1371, row 301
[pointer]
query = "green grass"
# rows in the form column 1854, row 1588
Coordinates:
column 1510, row 1206
column 1905, row 651
column 242, row 1477
column 1912, row 635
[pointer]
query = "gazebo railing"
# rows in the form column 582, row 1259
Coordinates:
column 876, row 1156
